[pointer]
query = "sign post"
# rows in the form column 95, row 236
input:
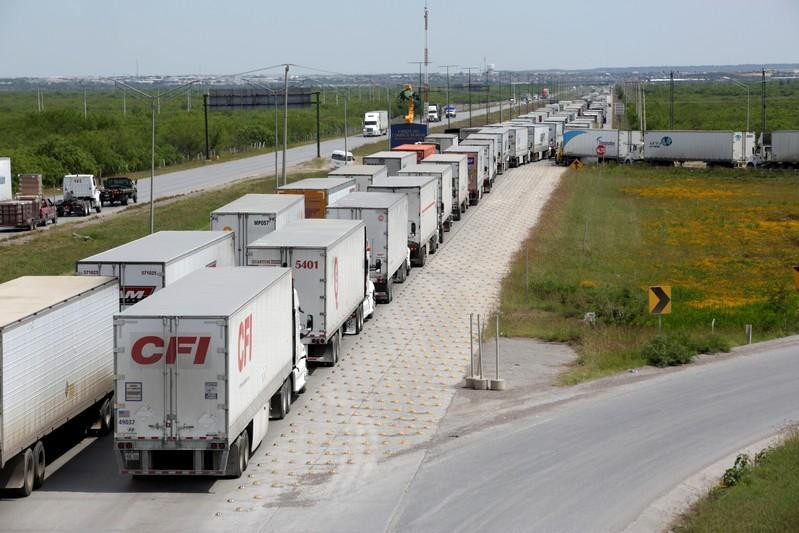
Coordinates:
column 600, row 151
column 660, row 302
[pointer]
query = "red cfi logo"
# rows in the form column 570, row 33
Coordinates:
column 245, row 342
column 150, row 349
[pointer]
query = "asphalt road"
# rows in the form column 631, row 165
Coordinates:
column 595, row 464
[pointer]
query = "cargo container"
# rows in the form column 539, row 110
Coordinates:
column 442, row 140
column 394, row 161
column 785, row 147
column 519, row 147
column 583, row 143
column 630, row 145
column 56, row 367
column 422, row 194
column 460, row 179
column 319, row 193
column 421, row 150
column 478, row 166
column 200, row 368
column 442, row 173
column 364, row 175
column 386, row 218
column 5, row 179
column 722, row 147
column 149, row 264
column 489, row 143
column 503, row 144
column 329, row 263
column 555, row 131
column 254, row 215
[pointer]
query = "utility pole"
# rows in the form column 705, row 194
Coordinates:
column 124, row 102
column 85, row 105
column 449, row 120
column 671, row 100
column 286, row 118
column 426, row 66
column 763, row 105
column 469, row 90
column 207, row 148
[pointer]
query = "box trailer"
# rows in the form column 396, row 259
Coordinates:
column 442, row 140
column 723, row 147
column 386, row 218
column 364, row 175
column 785, row 147
column 200, row 367
column 519, row 147
column 149, row 264
column 503, row 145
column 584, row 143
column 555, row 132
column 254, row 215
column 329, row 264
column 478, row 167
column 375, row 123
column 394, row 161
column 630, row 145
column 422, row 192
column 489, row 143
column 460, row 179
column 443, row 175
column 421, row 150
column 319, row 193
column 5, row 179
column 56, row 367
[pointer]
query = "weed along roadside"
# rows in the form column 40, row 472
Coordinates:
column 55, row 251
column 724, row 242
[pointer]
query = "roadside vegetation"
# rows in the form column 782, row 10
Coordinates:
column 61, row 140
column 725, row 241
column 55, row 251
column 755, row 494
column 718, row 105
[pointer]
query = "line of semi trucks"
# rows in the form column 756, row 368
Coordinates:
column 579, row 132
column 185, row 344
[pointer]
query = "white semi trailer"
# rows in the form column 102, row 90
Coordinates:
column 200, row 367
column 364, row 175
column 479, row 167
column 329, row 263
column 443, row 175
column 393, row 160
column 254, row 215
column 149, row 264
column 422, row 192
column 56, row 367
column 386, row 219
column 460, row 179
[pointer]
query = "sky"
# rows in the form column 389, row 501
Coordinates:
column 109, row 37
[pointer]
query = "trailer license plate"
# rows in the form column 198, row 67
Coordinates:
column 131, row 456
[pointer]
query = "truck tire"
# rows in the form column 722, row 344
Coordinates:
column 422, row 256
column 237, row 458
column 98, row 208
column 359, row 320
column 28, row 475
column 280, row 404
column 125, row 200
column 106, row 417
column 434, row 244
column 389, row 291
column 135, row 199
column 39, row 465
column 335, row 347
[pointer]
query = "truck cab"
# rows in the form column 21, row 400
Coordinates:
column 433, row 113
column 118, row 190
column 450, row 111
column 81, row 195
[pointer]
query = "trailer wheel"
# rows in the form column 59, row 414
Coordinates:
column 98, row 208
column 389, row 291
column 434, row 244
column 335, row 347
column 279, row 404
column 39, row 465
column 422, row 256
column 28, row 475
column 245, row 450
column 125, row 200
column 106, row 417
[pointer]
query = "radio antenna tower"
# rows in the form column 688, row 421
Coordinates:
column 426, row 70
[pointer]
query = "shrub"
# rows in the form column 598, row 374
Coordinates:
column 732, row 476
column 668, row 350
column 709, row 344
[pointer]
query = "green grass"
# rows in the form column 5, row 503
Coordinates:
column 55, row 251
column 765, row 499
column 724, row 240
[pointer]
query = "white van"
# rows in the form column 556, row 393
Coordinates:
column 339, row 159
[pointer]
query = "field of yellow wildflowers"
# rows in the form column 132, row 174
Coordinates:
column 725, row 240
